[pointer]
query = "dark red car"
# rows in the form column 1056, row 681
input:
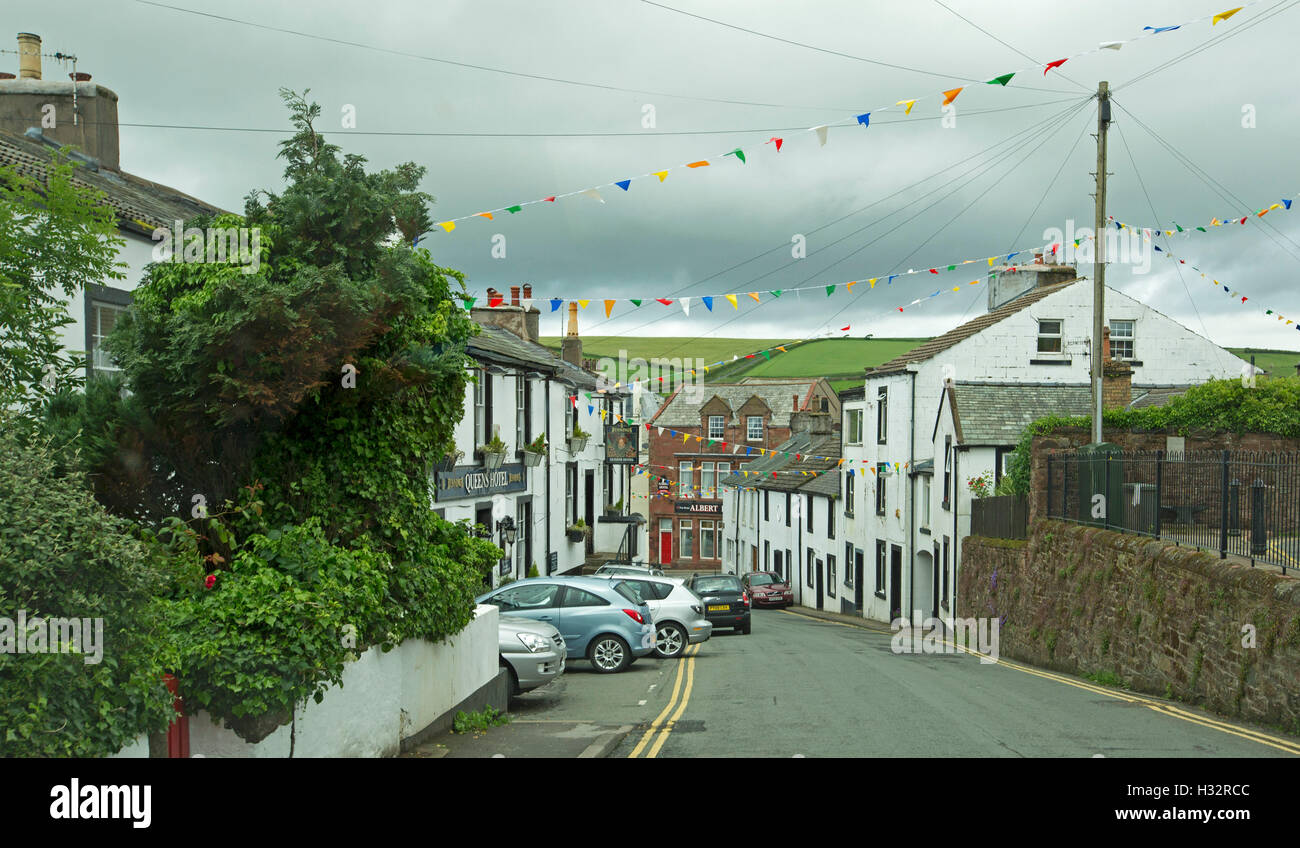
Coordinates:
column 767, row 589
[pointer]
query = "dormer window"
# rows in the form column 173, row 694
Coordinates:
column 717, row 426
column 754, row 428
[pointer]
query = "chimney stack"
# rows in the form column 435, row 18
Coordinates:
column 532, row 317
column 514, row 295
column 571, row 347
column 1116, row 377
column 29, row 56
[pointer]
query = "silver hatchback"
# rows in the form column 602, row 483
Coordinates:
column 533, row 651
column 677, row 612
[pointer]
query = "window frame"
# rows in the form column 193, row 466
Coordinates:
column 685, row 534
column 882, row 415
column 685, row 479
column 1130, row 339
column 882, row 563
column 849, row 494
column 749, row 428
column 1058, row 336
column 721, row 431
column 882, row 500
column 853, row 426
column 707, row 532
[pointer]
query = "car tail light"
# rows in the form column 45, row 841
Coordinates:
column 635, row 616
column 744, row 598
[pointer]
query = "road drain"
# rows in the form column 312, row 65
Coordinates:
column 689, row 726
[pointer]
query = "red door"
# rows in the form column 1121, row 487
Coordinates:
column 665, row 541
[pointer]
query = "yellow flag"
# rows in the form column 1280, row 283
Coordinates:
column 448, row 225
column 872, row 282
column 685, row 436
column 583, row 303
column 609, row 307
column 908, row 103
column 990, row 261
column 662, row 175
column 732, row 299
column 1223, row 16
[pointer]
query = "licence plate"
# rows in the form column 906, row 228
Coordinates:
column 718, row 607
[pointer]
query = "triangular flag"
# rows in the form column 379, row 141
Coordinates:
column 527, row 303
column 1158, row 30
column 469, row 303
column 755, row 296
column 908, row 103
column 609, row 307
column 776, row 141
column 829, row 290
column 865, row 119
column 664, row 301
column 821, row 134
column 513, row 209
column 1058, row 63
column 555, row 303
column 583, row 303
column 623, row 184
column 662, row 175
column 448, row 225
column 776, row 292
column 1223, row 16
column 732, row 299
column 1110, row 45
column 636, row 302
column 593, row 194
column 550, row 199
column 700, row 164
column 739, row 154
column 708, row 303
column 1002, row 80
column 951, row 95
column 686, row 305
column 487, row 215
column 1286, row 203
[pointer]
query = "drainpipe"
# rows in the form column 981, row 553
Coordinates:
column 550, row 505
column 911, row 496
column 758, row 535
column 799, row 553
column 735, row 526
column 956, row 507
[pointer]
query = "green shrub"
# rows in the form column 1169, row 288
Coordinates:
column 62, row 555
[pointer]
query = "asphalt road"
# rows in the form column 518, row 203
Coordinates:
column 799, row 686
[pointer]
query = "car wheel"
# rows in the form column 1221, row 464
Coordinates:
column 609, row 654
column 745, row 628
column 670, row 641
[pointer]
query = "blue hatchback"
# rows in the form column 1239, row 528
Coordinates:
column 598, row 622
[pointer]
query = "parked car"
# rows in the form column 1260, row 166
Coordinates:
column 628, row 568
column 533, row 651
column 599, row 622
column 678, row 612
column 726, row 601
column 767, row 589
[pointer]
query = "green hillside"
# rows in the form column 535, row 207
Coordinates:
column 669, row 347
column 1278, row 363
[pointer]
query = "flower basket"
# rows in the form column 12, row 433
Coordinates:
column 577, row 443
column 493, row 460
column 575, row 534
column 532, row 458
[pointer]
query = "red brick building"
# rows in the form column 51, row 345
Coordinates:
column 702, row 433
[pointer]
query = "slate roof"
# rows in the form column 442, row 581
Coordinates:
column 1155, row 395
column 818, row 445
column 499, row 345
column 141, row 205
column 682, row 412
column 939, row 344
column 997, row 413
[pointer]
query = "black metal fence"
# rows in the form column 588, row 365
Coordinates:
column 1001, row 517
column 1244, row 503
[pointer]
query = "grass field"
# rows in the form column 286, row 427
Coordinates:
column 839, row 360
column 1278, row 363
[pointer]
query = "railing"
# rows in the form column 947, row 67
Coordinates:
column 1243, row 503
column 1001, row 517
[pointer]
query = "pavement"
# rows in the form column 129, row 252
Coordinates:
column 528, row 738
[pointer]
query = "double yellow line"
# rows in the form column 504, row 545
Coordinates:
column 685, row 671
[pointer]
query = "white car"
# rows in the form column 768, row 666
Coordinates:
column 677, row 612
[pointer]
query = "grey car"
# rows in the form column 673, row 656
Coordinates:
column 678, row 613
column 532, row 651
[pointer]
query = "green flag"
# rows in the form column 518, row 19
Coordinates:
column 636, row 302
column 1002, row 80
column 776, row 292
column 829, row 290
column 513, row 209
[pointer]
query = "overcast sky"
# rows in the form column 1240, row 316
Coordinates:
column 964, row 199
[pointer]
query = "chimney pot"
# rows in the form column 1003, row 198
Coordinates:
column 29, row 55
column 528, row 291
column 514, row 295
column 79, row 76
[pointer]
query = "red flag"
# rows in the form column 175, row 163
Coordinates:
column 1058, row 63
column 844, row 329
column 664, row 302
column 932, row 271
column 551, row 198
column 496, row 301
column 777, row 142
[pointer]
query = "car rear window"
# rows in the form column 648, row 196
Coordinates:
column 716, row 584
column 631, row 590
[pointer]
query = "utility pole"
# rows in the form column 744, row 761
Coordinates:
column 1099, row 257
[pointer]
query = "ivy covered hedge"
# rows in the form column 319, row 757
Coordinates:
column 259, row 501
column 1271, row 406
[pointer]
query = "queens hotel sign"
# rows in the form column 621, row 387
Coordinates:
column 472, row 481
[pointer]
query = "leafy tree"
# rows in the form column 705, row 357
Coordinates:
column 63, row 556
column 56, row 238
